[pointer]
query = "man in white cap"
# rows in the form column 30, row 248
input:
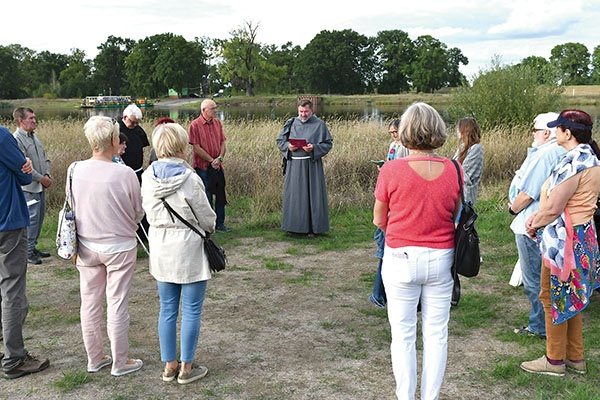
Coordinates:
column 524, row 197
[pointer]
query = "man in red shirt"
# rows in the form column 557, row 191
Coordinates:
column 208, row 142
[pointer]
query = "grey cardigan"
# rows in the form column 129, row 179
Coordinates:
column 473, row 169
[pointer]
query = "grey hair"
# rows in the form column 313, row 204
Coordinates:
column 422, row 128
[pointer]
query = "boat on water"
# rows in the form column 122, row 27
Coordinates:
column 113, row 102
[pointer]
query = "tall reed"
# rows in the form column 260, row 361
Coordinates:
column 253, row 162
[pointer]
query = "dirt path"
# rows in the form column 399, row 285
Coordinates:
column 303, row 329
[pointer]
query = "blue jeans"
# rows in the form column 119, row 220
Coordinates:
column 531, row 268
column 378, row 296
column 192, row 298
column 37, row 212
column 219, row 209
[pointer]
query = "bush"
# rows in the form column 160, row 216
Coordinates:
column 504, row 96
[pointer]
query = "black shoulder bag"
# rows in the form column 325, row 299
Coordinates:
column 287, row 128
column 466, row 240
column 466, row 244
column 215, row 253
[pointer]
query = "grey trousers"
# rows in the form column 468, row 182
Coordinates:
column 13, row 271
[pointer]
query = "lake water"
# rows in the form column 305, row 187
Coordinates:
column 377, row 113
column 380, row 113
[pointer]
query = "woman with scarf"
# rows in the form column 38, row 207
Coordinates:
column 570, row 270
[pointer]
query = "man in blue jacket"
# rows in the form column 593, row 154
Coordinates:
column 15, row 171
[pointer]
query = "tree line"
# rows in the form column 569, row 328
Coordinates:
column 333, row 62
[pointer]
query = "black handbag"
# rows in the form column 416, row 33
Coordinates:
column 217, row 259
column 467, row 258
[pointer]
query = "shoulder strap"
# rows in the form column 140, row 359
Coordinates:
column 69, row 196
column 460, row 183
column 288, row 126
column 179, row 217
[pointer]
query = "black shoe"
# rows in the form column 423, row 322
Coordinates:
column 222, row 228
column 30, row 365
column 34, row 259
column 41, row 253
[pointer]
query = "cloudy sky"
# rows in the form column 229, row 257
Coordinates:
column 482, row 29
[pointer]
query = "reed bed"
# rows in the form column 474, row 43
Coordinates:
column 253, row 162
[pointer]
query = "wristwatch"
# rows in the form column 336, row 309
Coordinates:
column 511, row 212
column 221, row 158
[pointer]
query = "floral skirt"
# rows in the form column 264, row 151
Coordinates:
column 570, row 297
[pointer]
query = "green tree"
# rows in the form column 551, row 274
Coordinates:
column 545, row 71
column 595, row 77
column 76, row 79
column 28, row 81
column 10, row 74
column 109, row 66
column 429, row 68
column 394, row 55
column 245, row 60
column 504, row 96
column 211, row 80
column 140, row 66
column 180, row 64
column 46, row 68
column 454, row 59
column 338, row 62
column 285, row 58
column 572, row 61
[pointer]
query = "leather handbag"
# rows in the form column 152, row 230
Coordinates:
column 217, row 259
column 66, row 235
column 467, row 258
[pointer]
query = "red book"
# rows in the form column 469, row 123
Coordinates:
column 299, row 143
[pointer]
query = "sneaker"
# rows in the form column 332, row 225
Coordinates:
column 34, row 259
column 29, row 365
column 169, row 374
column 193, row 375
column 542, row 366
column 105, row 362
column 41, row 253
column 577, row 367
column 131, row 366
column 222, row 228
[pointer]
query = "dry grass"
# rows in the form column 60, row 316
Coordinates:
column 253, row 162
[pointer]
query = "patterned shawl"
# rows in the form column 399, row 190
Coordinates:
column 557, row 238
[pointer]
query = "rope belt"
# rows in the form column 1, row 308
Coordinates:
column 138, row 170
column 301, row 158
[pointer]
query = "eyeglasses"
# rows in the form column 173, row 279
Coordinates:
column 132, row 121
column 538, row 130
column 392, row 132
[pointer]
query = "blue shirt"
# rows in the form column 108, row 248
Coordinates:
column 534, row 171
column 13, row 207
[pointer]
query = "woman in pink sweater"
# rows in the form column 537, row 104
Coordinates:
column 107, row 205
column 417, row 201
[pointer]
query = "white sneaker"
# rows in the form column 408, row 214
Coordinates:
column 131, row 366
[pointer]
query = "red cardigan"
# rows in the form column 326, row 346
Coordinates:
column 420, row 211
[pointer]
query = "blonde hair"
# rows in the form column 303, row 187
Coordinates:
column 100, row 132
column 422, row 128
column 169, row 140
